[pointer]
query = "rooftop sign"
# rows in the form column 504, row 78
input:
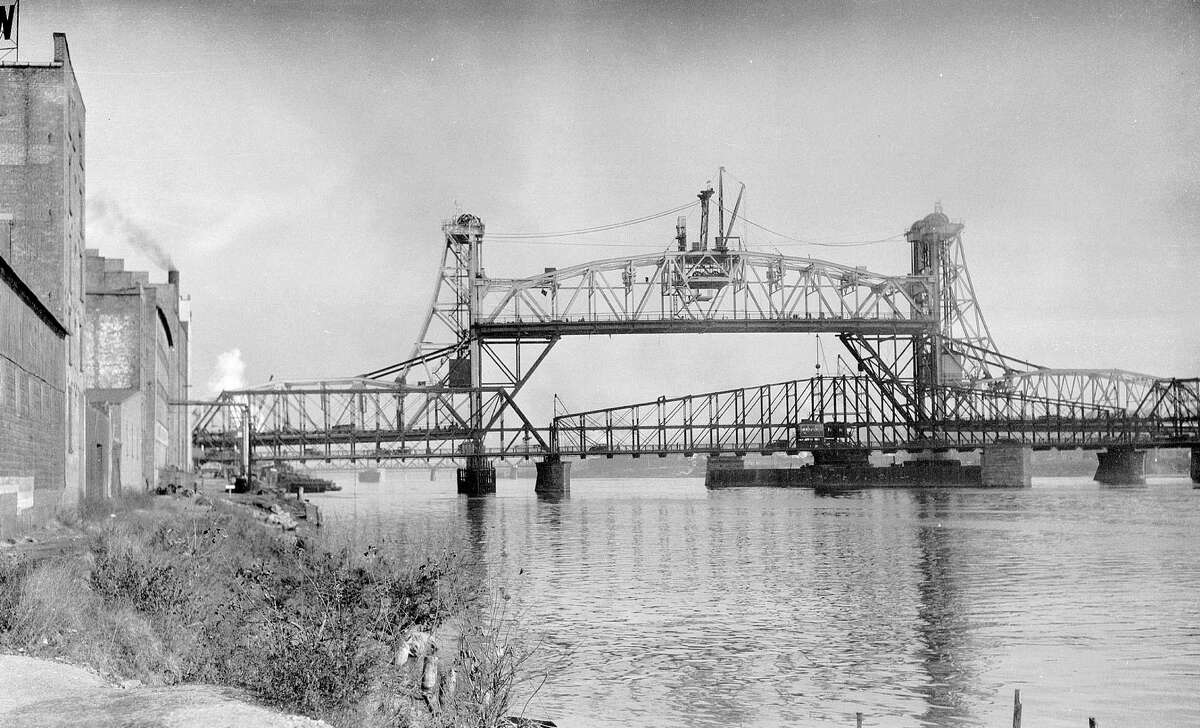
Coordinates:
column 9, row 28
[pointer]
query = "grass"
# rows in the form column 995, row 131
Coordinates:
column 208, row 594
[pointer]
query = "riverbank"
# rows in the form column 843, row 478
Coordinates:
column 182, row 591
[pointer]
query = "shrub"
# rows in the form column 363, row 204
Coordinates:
column 325, row 626
column 212, row 596
column 50, row 602
column 145, row 583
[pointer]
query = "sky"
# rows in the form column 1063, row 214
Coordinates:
column 295, row 160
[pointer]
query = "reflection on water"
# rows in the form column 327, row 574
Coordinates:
column 676, row 606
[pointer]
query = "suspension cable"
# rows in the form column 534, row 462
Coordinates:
column 589, row 230
column 829, row 244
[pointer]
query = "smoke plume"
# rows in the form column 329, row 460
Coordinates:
column 107, row 219
column 230, row 372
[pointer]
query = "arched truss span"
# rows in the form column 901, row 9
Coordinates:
column 688, row 291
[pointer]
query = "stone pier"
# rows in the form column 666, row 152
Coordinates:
column 724, row 462
column 553, row 478
column 1121, row 466
column 477, row 480
column 841, row 458
column 717, row 470
column 1006, row 464
column 1196, row 465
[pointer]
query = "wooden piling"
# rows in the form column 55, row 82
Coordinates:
column 1092, row 723
column 858, row 720
column 1016, row 709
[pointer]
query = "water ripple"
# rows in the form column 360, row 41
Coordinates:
column 675, row 606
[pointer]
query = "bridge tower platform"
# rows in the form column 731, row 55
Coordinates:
column 1123, row 466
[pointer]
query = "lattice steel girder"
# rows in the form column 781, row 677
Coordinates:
column 678, row 287
column 354, row 419
column 1140, row 395
column 1176, row 400
column 849, row 412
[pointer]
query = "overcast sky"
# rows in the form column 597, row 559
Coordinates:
column 296, row 161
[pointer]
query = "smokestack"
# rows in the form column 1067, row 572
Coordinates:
column 173, row 277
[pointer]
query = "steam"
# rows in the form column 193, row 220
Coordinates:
column 230, row 372
column 108, row 220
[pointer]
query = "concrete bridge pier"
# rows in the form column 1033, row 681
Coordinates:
column 477, row 479
column 1122, row 466
column 1196, row 465
column 1006, row 464
column 553, row 478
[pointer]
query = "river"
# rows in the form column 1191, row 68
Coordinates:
column 660, row 603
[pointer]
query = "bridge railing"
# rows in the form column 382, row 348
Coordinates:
column 713, row 316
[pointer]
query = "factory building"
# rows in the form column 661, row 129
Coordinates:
column 91, row 355
column 42, row 402
column 135, row 356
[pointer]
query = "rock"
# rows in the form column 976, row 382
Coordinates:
column 283, row 520
column 414, row 648
column 429, row 676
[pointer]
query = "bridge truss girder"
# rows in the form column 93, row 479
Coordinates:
column 706, row 288
column 370, row 421
column 1140, row 395
column 831, row 413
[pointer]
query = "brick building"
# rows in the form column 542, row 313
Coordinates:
column 136, row 343
column 42, row 405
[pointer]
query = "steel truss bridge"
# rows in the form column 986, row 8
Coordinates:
column 929, row 373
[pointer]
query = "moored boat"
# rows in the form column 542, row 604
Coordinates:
column 293, row 481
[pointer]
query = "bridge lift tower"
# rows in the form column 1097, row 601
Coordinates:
column 454, row 353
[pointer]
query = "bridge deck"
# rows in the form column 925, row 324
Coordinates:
column 791, row 325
